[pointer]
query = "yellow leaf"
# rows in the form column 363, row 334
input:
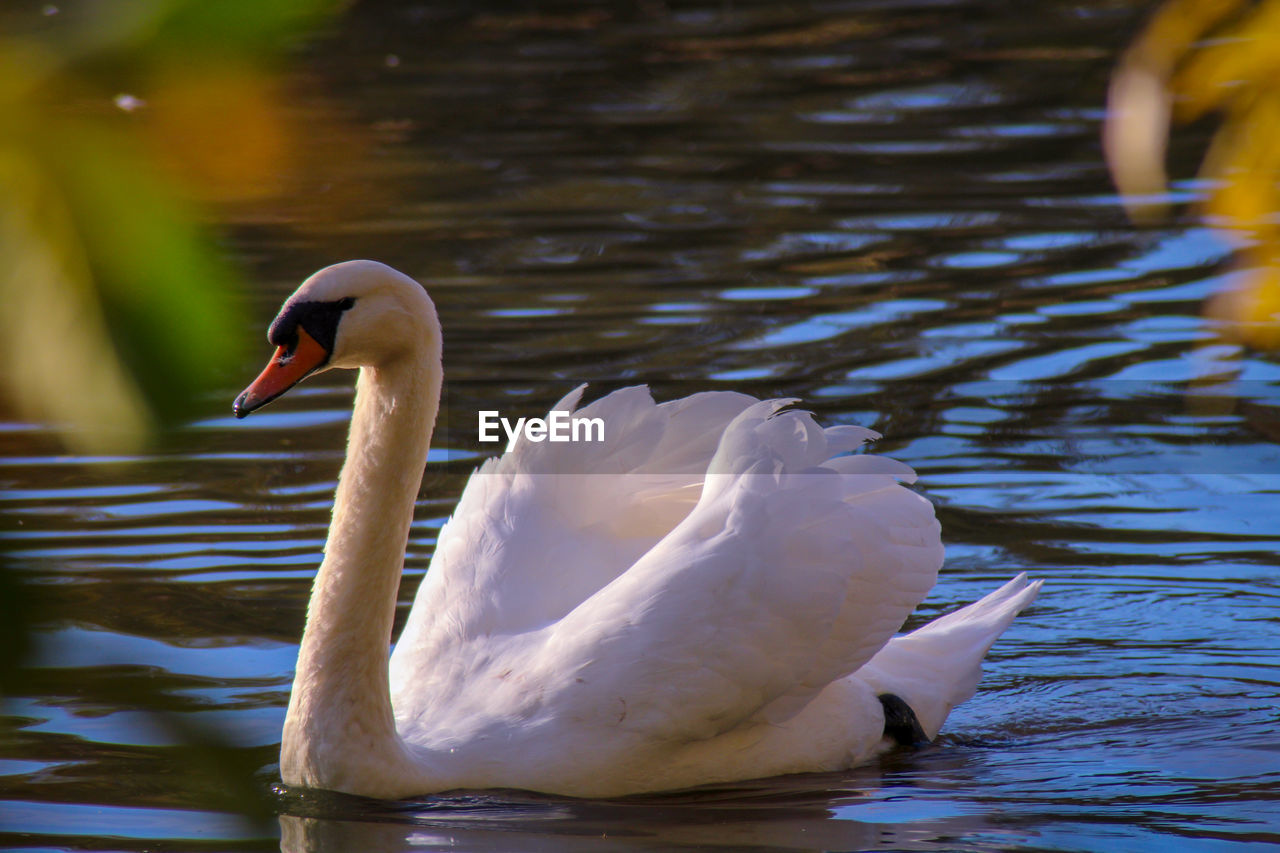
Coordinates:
column 1242, row 59
column 1244, row 161
column 62, row 367
column 1139, row 101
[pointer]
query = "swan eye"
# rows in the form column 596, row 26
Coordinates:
column 320, row 319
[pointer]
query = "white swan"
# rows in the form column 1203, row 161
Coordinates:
column 707, row 595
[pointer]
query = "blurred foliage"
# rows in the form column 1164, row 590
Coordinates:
column 116, row 119
column 119, row 119
column 1198, row 57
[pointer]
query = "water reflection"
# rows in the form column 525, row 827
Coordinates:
column 832, row 812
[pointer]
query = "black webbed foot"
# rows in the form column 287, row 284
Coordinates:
column 900, row 722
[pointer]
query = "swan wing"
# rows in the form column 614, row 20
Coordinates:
column 541, row 529
column 791, row 571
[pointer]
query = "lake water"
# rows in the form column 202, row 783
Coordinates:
column 896, row 211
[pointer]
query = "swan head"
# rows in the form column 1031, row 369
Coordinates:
column 352, row 314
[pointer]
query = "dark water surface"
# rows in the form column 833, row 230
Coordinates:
column 893, row 210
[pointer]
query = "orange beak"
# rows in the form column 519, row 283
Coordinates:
column 286, row 369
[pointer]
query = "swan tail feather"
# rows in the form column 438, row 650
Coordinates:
column 937, row 666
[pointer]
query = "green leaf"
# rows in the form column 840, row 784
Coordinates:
column 166, row 293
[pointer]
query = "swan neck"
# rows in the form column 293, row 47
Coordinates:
column 391, row 426
column 340, row 731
